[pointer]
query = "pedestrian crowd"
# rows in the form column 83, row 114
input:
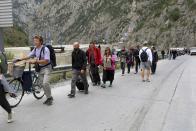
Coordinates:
column 140, row 58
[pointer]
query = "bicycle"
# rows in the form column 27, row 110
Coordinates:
column 19, row 86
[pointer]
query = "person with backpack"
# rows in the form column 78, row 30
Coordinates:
column 155, row 59
column 108, row 67
column 145, row 55
column 130, row 60
column 123, row 56
column 5, row 88
column 137, row 59
column 79, row 64
column 44, row 61
column 94, row 60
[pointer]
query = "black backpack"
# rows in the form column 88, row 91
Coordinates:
column 52, row 54
column 144, row 55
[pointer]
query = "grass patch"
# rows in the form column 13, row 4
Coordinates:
column 174, row 14
column 10, row 56
column 15, row 37
column 191, row 4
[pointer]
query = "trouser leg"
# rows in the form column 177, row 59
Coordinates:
column 92, row 74
column 3, row 101
column 44, row 80
column 123, row 67
column 128, row 68
column 97, row 76
column 75, row 75
column 137, row 66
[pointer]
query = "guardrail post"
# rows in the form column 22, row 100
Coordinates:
column 65, row 75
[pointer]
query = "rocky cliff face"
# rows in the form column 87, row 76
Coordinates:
column 161, row 22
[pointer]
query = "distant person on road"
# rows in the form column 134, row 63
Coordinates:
column 5, row 88
column 137, row 59
column 155, row 59
column 163, row 54
column 43, row 66
column 145, row 55
column 174, row 54
column 123, row 56
column 130, row 60
column 108, row 67
column 94, row 60
column 79, row 64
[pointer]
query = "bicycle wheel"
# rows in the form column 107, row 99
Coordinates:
column 16, row 86
column 38, row 92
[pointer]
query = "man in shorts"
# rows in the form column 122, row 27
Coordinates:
column 145, row 55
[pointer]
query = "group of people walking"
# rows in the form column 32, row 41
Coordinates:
column 93, row 59
column 142, row 58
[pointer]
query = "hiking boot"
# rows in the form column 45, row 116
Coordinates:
column 10, row 119
column 71, row 95
column 103, row 85
column 49, row 101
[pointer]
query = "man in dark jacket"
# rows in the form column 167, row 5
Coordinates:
column 137, row 59
column 155, row 59
column 79, row 63
column 123, row 56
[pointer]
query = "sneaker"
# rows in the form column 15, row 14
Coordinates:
column 147, row 80
column 135, row 73
column 49, row 101
column 110, row 85
column 143, row 80
column 103, row 85
column 86, row 92
column 13, row 95
column 99, row 83
column 71, row 95
column 94, row 84
column 10, row 119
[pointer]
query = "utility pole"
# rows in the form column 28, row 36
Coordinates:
column 6, row 19
column 1, row 41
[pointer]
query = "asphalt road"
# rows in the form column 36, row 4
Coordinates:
column 167, row 103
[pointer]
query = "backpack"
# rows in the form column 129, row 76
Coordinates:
column 144, row 55
column 52, row 55
column 3, row 63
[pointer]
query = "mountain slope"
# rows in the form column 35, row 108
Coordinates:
column 161, row 22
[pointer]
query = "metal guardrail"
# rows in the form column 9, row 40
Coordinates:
column 56, row 49
column 58, row 69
